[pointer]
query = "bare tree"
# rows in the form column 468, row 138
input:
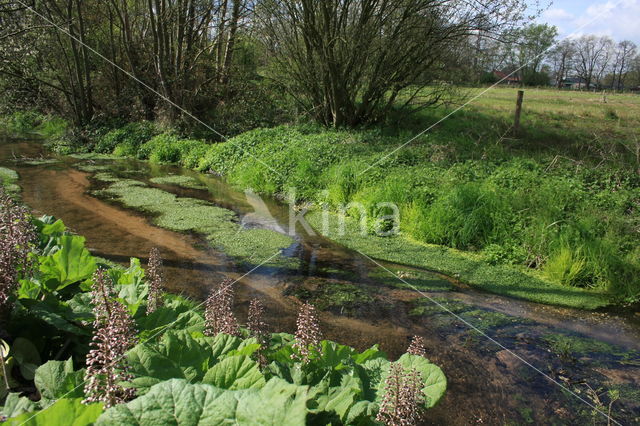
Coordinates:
column 624, row 54
column 348, row 61
column 593, row 55
column 562, row 61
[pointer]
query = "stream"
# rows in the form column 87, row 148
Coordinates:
column 589, row 353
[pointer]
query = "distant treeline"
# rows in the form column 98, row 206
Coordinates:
column 251, row 63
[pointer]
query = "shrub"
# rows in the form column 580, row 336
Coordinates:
column 126, row 140
column 160, row 149
column 53, row 127
column 21, row 122
column 192, row 153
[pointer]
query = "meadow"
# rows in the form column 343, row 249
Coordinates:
column 557, row 204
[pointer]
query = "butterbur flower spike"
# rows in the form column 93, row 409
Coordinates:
column 418, row 346
column 17, row 235
column 218, row 314
column 255, row 323
column 258, row 329
column 154, row 277
column 114, row 334
column 308, row 334
column 403, row 400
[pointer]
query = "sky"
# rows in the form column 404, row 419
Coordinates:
column 619, row 19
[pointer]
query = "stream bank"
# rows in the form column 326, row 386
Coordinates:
column 361, row 306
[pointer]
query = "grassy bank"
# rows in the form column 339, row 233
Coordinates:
column 557, row 206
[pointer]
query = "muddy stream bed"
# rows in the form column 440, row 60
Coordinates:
column 589, row 353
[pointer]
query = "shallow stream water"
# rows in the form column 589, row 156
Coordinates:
column 587, row 353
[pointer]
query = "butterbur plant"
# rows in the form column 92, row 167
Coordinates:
column 17, row 235
column 418, row 346
column 255, row 322
column 154, row 277
column 403, row 399
column 258, row 328
column 114, row 334
column 308, row 333
column 218, row 314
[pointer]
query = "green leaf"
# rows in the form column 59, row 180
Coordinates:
column 29, row 289
column 372, row 373
column 64, row 412
column 57, row 314
column 176, row 314
column 235, row 372
column 57, row 379
column 16, row 405
column 176, row 355
column 26, row 356
column 223, row 344
column 335, row 356
column 70, row 264
column 339, row 399
column 362, row 413
column 176, row 402
column 371, row 353
column 54, row 228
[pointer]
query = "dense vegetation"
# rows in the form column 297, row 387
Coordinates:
column 157, row 358
column 557, row 201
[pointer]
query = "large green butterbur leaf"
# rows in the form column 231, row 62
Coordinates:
column 177, row 355
column 176, row 402
column 64, row 412
column 130, row 285
column 57, row 379
column 70, row 264
column 338, row 399
column 15, row 405
column 235, row 372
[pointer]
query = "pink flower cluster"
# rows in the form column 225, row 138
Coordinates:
column 418, row 346
column 17, row 236
column 403, row 400
column 308, row 333
column 154, row 277
column 218, row 314
column 114, row 334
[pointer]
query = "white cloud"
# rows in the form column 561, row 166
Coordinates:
column 557, row 14
column 617, row 19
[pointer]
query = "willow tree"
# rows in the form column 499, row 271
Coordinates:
column 348, row 62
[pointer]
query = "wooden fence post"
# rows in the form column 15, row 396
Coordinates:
column 516, row 122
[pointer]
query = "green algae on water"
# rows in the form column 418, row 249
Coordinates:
column 179, row 180
column 219, row 225
column 9, row 179
column 410, row 279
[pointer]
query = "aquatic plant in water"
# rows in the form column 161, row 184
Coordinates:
column 114, row 334
column 403, row 400
column 17, row 235
column 308, row 333
column 218, row 315
column 154, row 276
column 418, row 346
